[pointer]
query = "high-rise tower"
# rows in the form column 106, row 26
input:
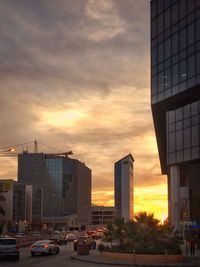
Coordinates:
column 124, row 187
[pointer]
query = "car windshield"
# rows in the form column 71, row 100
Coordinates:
column 8, row 242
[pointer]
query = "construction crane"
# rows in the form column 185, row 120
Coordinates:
column 11, row 151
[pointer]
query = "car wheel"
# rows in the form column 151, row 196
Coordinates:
column 32, row 254
column 57, row 251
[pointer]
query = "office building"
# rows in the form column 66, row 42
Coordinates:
column 66, row 184
column 175, row 101
column 102, row 215
column 20, row 203
column 124, row 187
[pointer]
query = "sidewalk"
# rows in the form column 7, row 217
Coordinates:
column 95, row 257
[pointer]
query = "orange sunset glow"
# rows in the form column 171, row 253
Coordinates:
column 76, row 75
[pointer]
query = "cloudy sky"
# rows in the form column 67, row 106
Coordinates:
column 75, row 75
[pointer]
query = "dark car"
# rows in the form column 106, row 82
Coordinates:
column 9, row 248
column 58, row 238
column 85, row 239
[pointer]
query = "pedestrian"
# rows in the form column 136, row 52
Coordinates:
column 192, row 246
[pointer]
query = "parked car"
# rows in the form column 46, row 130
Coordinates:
column 20, row 234
column 9, row 248
column 58, row 238
column 44, row 247
column 70, row 237
column 85, row 239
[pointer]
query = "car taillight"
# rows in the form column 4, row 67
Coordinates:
column 17, row 247
column 45, row 246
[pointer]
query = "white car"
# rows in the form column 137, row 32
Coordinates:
column 44, row 247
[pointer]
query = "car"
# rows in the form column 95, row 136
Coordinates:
column 9, row 248
column 58, row 238
column 44, row 247
column 70, row 237
column 85, row 239
column 36, row 233
column 20, row 234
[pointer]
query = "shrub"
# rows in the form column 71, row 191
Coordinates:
column 101, row 247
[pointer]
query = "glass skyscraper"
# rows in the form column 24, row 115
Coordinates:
column 175, row 101
column 66, row 184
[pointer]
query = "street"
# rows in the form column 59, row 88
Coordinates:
column 63, row 259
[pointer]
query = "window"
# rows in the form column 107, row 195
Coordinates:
column 182, row 38
column 154, row 56
column 161, row 81
column 190, row 6
column 167, row 48
column 167, row 78
column 154, row 85
column 182, row 8
column 167, row 18
column 175, row 44
column 172, row 142
column 160, row 52
column 175, row 74
column 160, row 6
column 186, row 111
column 154, row 28
column 175, row 13
column 183, row 71
column 179, row 140
column 160, row 24
column 195, row 135
column 186, row 134
column 191, row 66
column 191, row 33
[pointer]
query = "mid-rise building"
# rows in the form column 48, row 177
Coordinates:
column 102, row 215
column 66, row 184
column 175, row 101
column 124, row 187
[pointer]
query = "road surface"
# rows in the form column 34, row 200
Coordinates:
column 63, row 259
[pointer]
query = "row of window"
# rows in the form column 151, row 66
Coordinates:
column 181, row 7
column 183, row 155
column 166, row 24
column 183, row 133
column 176, row 43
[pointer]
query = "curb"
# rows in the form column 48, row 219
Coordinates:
column 131, row 264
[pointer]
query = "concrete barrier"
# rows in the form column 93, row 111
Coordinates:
column 136, row 258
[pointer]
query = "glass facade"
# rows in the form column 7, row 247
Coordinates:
column 54, row 167
column 175, row 47
column 183, row 133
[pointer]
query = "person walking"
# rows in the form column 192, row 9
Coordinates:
column 192, row 246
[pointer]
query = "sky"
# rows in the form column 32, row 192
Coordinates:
column 76, row 75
